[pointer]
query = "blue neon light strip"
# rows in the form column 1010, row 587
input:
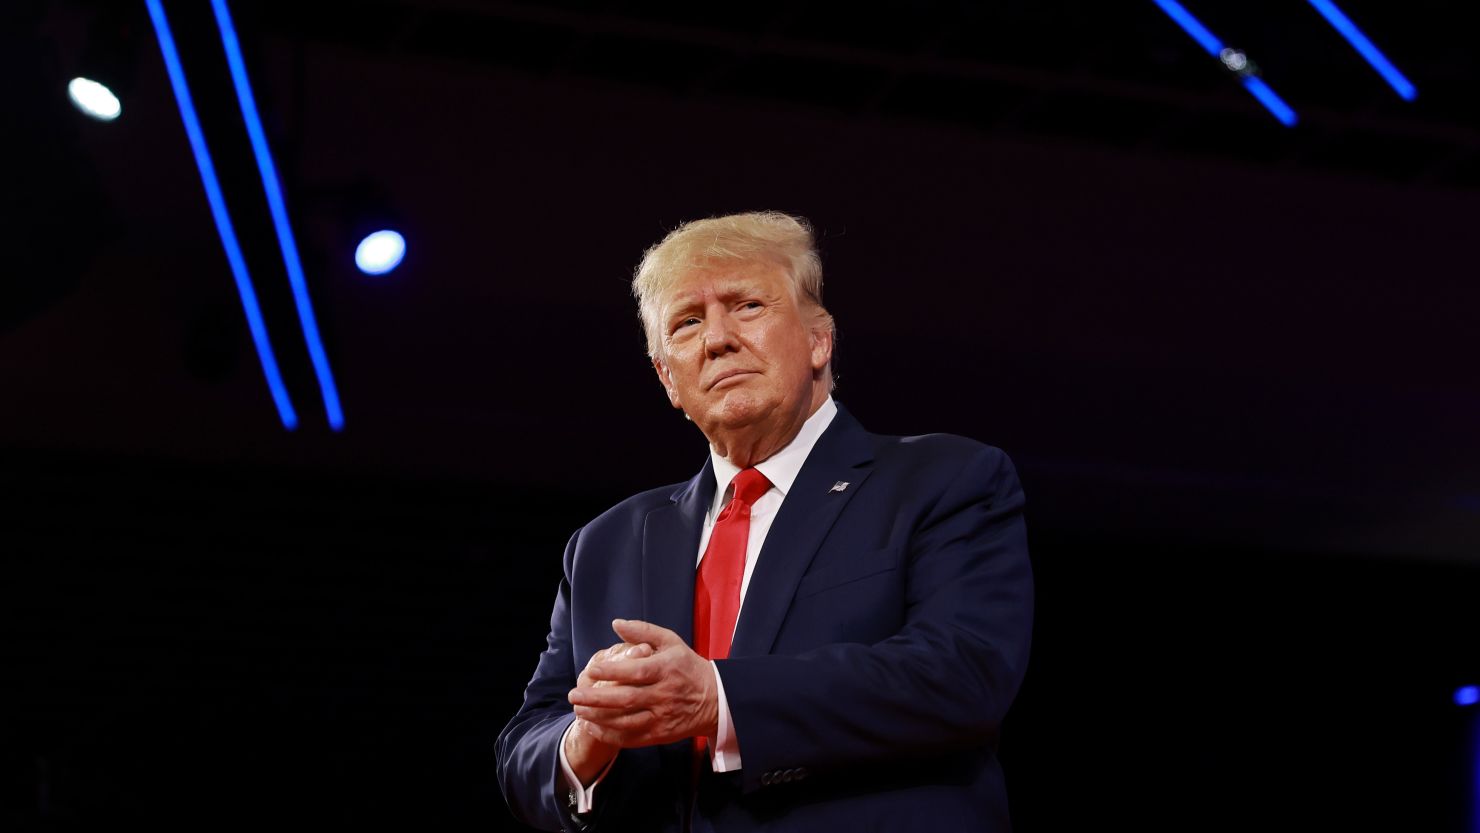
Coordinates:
column 229, row 242
column 1343, row 24
column 1212, row 45
column 1192, row 26
column 279, row 211
column 1272, row 102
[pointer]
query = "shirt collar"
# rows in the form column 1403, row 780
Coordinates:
column 782, row 467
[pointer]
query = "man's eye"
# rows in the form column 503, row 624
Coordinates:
column 752, row 305
column 684, row 323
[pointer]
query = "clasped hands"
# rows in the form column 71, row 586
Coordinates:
column 650, row 688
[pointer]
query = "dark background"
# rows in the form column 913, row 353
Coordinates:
column 1234, row 363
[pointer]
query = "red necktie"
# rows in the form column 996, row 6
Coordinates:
column 722, row 570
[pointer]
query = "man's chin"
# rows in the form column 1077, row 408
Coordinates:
column 735, row 411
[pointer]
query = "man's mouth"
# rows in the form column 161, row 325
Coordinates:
column 729, row 374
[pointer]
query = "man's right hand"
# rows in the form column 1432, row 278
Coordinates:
column 589, row 757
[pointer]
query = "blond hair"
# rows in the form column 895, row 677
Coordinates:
column 758, row 235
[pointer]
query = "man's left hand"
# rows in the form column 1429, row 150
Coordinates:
column 663, row 698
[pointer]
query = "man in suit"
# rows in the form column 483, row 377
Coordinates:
column 822, row 630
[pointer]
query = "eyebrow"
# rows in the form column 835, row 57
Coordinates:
column 738, row 287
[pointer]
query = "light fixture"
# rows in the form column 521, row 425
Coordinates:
column 1366, row 48
column 224, row 227
column 307, row 321
column 1234, row 60
column 103, row 72
column 94, row 99
column 380, row 252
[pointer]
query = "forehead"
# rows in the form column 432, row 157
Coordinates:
column 726, row 277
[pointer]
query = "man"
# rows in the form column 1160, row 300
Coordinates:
column 822, row 630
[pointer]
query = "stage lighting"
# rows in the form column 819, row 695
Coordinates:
column 94, row 99
column 365, row 221
column 1467, row 695
column 224, row 227
column 277, row 206
column 1234, row 59
column 103, row 73
column 380, row 252
column 1366, row 48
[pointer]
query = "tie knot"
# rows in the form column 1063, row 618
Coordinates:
column 750, row 484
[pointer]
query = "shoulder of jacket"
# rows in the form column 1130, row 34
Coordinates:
column 938, row 457
column 943, row 446
column 635, row 508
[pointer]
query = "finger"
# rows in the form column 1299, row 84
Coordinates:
column 636, row 630
column 584, row 678
column 617, row 651
column 621, row 651
column 612, row 719
column 628, row 671
column 624, row 697
column 610, row 653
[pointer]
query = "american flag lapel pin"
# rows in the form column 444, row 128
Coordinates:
column 838, row 486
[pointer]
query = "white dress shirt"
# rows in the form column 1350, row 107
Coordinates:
column 781, row 469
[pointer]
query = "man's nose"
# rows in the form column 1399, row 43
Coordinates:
column 719, row 334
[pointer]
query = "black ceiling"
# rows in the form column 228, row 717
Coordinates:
column 1061, row 228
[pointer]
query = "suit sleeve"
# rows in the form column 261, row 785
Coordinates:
column 528, row 749
column 942, row 683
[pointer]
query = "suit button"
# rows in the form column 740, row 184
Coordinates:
column 802, row 772
column 766, row 779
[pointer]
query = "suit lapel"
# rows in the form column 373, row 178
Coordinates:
column 670, row 553
column 807, row 515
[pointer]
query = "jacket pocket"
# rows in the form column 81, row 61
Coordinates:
column 862, row 566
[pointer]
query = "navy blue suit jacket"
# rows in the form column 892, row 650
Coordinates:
column 884, row 633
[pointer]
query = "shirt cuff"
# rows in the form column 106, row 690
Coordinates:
column 583, row 797
column 725, row 754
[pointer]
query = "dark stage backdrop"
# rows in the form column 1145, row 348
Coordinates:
column 1234, row 364
column 200, row 645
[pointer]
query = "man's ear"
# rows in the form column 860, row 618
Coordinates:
column 822, row 340
column 667, row 380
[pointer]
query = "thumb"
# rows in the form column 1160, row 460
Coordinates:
column 637, row 631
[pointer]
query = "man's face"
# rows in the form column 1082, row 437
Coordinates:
column 738, row 351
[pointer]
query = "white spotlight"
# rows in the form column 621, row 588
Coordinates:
column 380, row 252
column 1234, row 59
column 94, row 99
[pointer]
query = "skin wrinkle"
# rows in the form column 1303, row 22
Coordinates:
column 730, row 316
